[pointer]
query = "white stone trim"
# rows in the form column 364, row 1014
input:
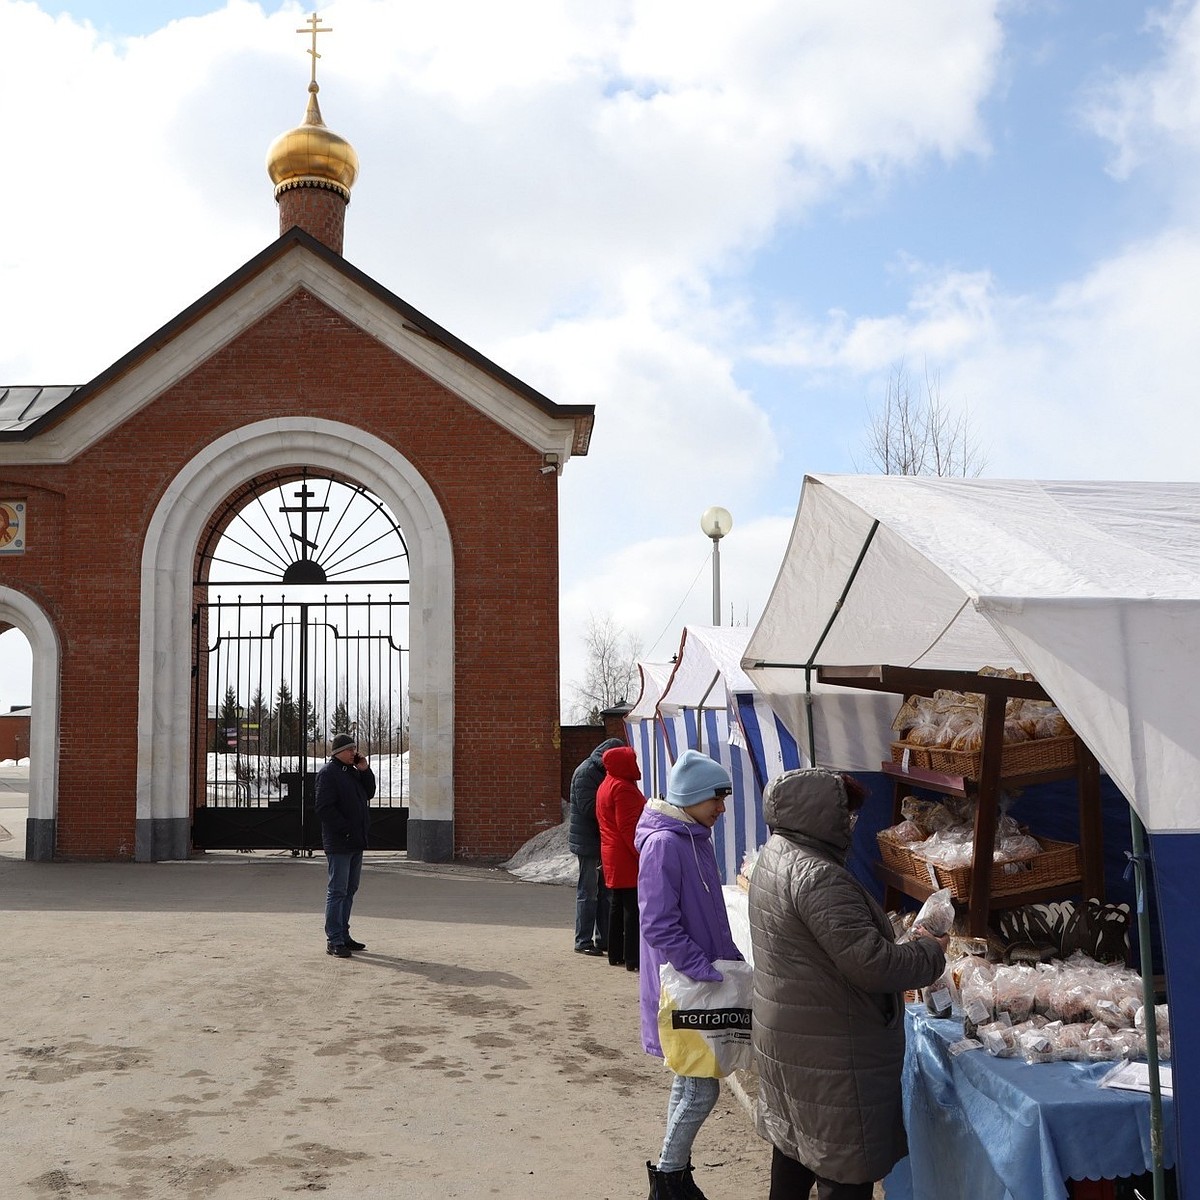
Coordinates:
column 24, row 614
column 298, row 268
column 168, row 562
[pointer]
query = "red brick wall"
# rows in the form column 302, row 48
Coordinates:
column 14, row 737
column 87, row 521
column 578, row 741
column 318, row 211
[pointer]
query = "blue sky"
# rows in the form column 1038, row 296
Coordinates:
column 725, row 226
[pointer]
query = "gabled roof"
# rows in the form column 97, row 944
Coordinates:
column 295, row 260
column 22, row 407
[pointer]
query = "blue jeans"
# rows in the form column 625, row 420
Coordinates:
column 591, row 904
column 344, row 873
column 692, row 1099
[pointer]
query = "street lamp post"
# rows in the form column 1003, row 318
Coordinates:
column 716, row 523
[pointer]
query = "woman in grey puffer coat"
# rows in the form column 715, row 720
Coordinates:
column 828, row 1014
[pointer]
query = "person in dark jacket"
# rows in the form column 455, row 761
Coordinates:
column 619, row 803
column 828, row 1015
column 684, row 923
column 583, row 840
column 345, row 784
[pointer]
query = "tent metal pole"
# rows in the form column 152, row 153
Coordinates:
column 1138, row 861
column 812, row 658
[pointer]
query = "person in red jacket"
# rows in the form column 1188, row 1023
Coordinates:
column 619, row 803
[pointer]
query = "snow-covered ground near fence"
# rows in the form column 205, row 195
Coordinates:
column 545, row 858
column 256, row 777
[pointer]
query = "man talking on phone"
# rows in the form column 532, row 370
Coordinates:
column 344, row 786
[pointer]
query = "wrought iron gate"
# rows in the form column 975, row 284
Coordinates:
column 277, row 677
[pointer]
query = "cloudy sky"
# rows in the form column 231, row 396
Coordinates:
column 725, row 225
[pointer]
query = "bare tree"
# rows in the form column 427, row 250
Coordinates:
column 612, row 672
column 918, row 434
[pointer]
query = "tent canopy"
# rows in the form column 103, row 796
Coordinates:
column 1094, row 588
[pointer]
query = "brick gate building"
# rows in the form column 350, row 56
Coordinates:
column 296, row 361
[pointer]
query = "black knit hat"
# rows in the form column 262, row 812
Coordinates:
column 343, row 741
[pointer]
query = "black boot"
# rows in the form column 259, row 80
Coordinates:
column 672, row 1185
column 689, row 1190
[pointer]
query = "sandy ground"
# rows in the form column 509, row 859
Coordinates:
column 177, row 1030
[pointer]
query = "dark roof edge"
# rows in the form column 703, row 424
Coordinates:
column 254, row 266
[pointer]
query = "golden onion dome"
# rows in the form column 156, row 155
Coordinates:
column 312, row 155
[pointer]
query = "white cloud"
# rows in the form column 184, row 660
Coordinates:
column 1143, row 112
column 577, row 191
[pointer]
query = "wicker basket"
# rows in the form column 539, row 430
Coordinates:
column 898, row 857
column 1057, row 864
column 918, row 756
column 1017, row 758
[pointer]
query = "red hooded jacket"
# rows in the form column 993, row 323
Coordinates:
column 619, row 803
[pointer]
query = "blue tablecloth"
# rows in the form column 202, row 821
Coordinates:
column 999, row 1129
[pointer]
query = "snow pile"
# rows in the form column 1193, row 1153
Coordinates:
column 545, row 858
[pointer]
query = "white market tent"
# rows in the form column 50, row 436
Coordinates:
column 1094, row 588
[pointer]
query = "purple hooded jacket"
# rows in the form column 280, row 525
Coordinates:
column 683, row 919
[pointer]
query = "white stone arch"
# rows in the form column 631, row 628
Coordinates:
column 19, row 611
column 168, row 563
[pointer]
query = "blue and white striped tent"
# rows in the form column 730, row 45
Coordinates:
column 705, row 701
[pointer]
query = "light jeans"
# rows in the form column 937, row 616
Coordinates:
column 692, row 1099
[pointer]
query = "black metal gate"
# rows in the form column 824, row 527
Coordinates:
column 276, row 678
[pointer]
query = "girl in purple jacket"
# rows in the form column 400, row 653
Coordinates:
column 683, row 922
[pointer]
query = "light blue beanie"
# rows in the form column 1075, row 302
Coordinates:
column 695, row 777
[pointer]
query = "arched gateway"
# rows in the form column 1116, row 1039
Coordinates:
column 297, row 362
column 164, row 806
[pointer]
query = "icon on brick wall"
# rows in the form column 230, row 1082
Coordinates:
column 12, row 526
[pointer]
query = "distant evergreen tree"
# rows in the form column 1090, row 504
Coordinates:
column 258, row 722
column 285, row 723
column 340, row 721
column 227, row 734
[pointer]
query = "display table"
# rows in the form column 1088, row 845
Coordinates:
column 998, row 1129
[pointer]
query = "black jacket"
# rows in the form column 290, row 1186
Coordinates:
column 583, row 831
column 342, row 795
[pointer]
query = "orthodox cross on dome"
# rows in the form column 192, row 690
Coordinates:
column 314, row 27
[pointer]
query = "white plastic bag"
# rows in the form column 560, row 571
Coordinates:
column 704, row 1027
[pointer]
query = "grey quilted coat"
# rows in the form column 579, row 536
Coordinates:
column 828, row 1015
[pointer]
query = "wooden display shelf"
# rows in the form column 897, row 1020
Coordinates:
column 996, row 690
column 921, row 890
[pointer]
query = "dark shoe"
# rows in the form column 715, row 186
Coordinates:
column 687, row 1188
column 632, row 967
column 672, row 1185
column 355, row 945
column 592, row 951
column 338, row 951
